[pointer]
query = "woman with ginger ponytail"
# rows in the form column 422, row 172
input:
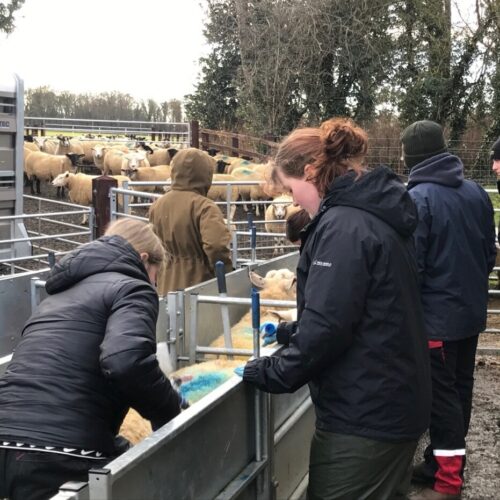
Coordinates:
column 359, row 340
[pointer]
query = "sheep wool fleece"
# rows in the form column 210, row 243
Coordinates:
column 190, row 225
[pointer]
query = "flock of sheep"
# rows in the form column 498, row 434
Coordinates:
column 57, row 160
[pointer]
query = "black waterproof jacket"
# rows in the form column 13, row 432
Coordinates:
column 87, row 354
column 360, row 339
column 455, row 242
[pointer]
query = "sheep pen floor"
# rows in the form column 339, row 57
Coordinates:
column 483, row 443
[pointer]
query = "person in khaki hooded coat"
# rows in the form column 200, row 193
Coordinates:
column 190, row 225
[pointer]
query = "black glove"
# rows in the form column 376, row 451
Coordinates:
column 284, row 331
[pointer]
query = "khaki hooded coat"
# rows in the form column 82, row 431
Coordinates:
column 190, row 225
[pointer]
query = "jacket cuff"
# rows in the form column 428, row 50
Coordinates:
column 251, row 371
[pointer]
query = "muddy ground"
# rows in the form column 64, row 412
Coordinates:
column 483, row 442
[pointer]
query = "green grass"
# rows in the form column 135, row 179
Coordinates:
column 495, row 199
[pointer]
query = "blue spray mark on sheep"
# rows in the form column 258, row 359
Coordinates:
column 201, row 385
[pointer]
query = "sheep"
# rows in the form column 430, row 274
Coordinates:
column 281, row 208
column 193, row 382
column 31, row 146
column 277, row 285
column 252, row 192
column 42, row 166
column 160, row 173
column 231, row 162
column 130, row 161
column 156, row 155
column 80, row 187
column 88, row 149
column 48, row 146
column 66, row 146
column 112, row 162
column 219, row 192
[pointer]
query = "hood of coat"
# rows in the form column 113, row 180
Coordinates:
column 192, row 170
column 445, row 169
column 379, row 192
column 107, row 254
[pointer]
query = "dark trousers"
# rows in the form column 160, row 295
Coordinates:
column 452, row 371
column 31, row 475
column 357, row 468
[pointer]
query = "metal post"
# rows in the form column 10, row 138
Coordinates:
column 234, row 249
column 181, row 337
column 254, row 243
column 100, row 484
column 172, row 315
column 126, row 198
column 91, row 223
column 34, row 293
column 193, row 325
column 229, row 192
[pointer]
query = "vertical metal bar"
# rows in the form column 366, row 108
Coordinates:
column 126, row 198
column 100, row 484
column 181, row 337
column 229, row 219
column 256, row 353
column 172, row 315
column 34, row 294
column 113, row 209
column 234, row 249
column 254, row 243
column 91, row 223
column 193, row 326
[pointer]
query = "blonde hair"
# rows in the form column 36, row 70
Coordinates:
column 141, row 236
column 333, row 148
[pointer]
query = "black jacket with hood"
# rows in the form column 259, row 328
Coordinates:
column 87, row 354
column 360, row 339
column 455, row 243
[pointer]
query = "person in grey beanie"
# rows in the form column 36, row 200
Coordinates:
column 455, row 243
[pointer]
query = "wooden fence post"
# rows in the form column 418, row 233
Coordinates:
column 235, row 143
column 100, row 200
column 195, row 134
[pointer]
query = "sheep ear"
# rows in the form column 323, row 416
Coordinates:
column 256, row 280
column 291, row 283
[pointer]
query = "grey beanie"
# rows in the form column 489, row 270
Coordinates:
column 422, row 140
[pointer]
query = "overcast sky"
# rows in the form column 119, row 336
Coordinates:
column 146, row 48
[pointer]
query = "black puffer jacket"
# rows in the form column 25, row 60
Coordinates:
column 360, row 339
column 87, row 354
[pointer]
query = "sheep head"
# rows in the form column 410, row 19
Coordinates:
column 278, row 283
column 62, row 179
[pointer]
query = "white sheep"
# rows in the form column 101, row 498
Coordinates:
column 130, row 161
column 46, row 167
column 112, row 162
column 277, row 285
column 48, row 145
column 88, row 149
column 253, row 192
column 65, row 146
column 219, row 192
column 280, row 209
column 80, row 187
column 160, row 173
column 31, row 146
